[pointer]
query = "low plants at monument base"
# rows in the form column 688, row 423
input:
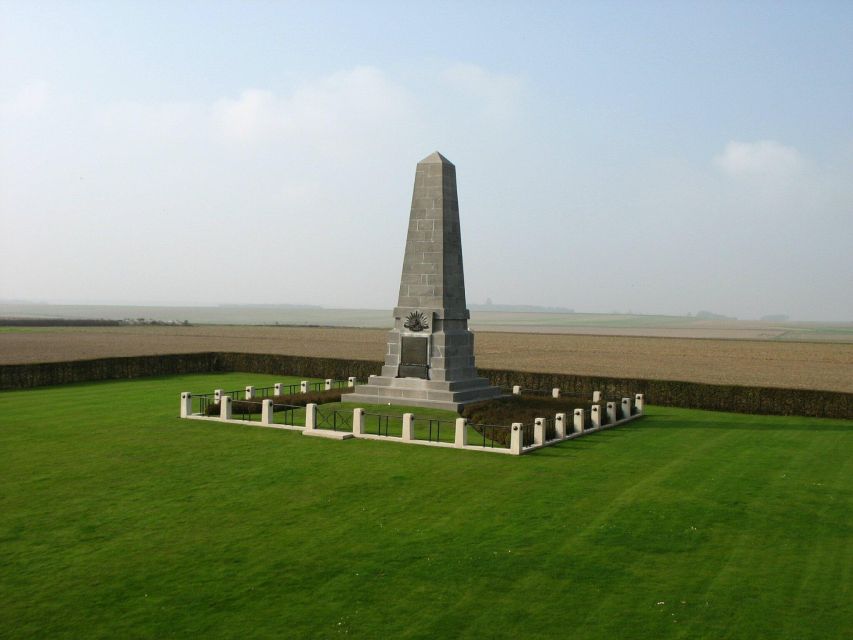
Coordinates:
column 291, row 399
column 526, row 408
column 437, row 425
column 118, row 519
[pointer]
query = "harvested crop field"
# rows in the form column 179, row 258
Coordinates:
column 803, row 365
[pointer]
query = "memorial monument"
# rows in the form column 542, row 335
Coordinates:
column 430, row 357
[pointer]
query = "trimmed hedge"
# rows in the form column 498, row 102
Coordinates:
column 691, row 395
column 694, row 395
column 25, row 376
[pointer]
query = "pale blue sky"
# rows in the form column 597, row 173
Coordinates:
column 657, row 157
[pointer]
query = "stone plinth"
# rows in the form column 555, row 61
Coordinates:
column 429, row 360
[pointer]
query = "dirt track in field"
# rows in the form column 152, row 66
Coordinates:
column 763, row 363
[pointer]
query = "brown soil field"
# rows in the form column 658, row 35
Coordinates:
column 803, row 365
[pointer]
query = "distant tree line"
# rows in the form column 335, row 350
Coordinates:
column 86, row 322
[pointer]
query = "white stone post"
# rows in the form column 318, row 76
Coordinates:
column 595, row 416
column 303, row 386
column 408, row 427
column 640, row 403
column 358, row 422
column 311, row 416
column 266, row 411
column 351, row 381
column 555, row 392
column 276, row 388
column 217, row 396
column 516, row 390
column 539, row 431
column 250, row 392
column 596, row 396
column 186, row 404
column 626, row 407
column 461, row 439
column 560, row 425
column 225, row 408
column 577, row 424
column 611, row 412
column 577, row 421
column 328, row 385
column 516, row 438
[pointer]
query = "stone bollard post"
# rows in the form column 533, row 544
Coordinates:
column 328, row 384
column 186, row 404
column 516, row 390
column 596, row 396
column 640, row 403
column 266, row 411
column 303, row 386
column 595, row 416
column 555, row 392
column 250, row 392
column 358, row 422
column 560, row 425
column 626, row 408
column 539, row 431
column 516, row 438
column 225, row 408
column 577, row 424
column 461, row 439
column 276, row 388
column 351, row 381
column 611, row 412
column 217, row 396
column 311, row 415
column 408, row 427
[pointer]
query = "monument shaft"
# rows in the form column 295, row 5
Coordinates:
column 430, row 355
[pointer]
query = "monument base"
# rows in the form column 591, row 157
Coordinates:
column 431, row 394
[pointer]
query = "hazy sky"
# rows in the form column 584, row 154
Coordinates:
column 657, row 157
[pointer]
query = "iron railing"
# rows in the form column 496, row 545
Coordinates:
column 527, row 439
column 434, row 430
column 490, row 435
column 201, row 402
column 537, row 392
column 246, row 409
column 290, row 389
column 334, row 420
column 289, row 414
column 381, row 425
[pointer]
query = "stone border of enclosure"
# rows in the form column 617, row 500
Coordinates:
column 523, row 438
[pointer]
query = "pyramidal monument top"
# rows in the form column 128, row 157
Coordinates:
column 435, row 156
column 430, row 356
column 432, row 276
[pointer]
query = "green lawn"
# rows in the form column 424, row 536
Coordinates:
column 118, row 520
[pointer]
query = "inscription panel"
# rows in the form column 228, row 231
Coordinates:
column 414, row 357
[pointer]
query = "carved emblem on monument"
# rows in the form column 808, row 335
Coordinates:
column 416, row 321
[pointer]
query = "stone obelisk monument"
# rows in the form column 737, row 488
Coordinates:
column 430, row 356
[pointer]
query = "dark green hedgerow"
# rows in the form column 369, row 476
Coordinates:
column 715, row 397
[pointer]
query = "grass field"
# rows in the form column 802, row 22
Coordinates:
column 119, row 520
column 799, row 365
